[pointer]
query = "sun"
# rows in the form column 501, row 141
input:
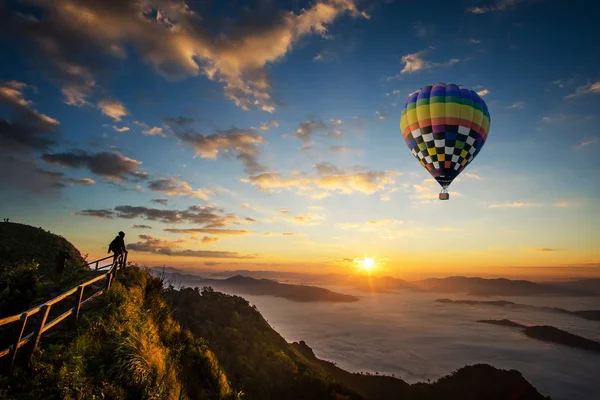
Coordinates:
column 368, row 263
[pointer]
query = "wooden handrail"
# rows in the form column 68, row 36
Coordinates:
column 20, row 340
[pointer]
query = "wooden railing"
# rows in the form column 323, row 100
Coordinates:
column 21, row 339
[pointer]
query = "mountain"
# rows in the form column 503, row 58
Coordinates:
column 502, row 322
column 592, row 315
column 264, row 366
column 265, row 287
column 474, row 286
column 550, row 334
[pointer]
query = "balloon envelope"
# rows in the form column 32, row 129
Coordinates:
column 445, row 127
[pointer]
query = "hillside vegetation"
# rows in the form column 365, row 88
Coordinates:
column 142, row 340
column 28, row 273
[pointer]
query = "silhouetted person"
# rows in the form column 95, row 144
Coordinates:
column 117, row 246
column 61, row 257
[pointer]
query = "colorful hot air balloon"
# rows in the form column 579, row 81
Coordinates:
column 445, row 127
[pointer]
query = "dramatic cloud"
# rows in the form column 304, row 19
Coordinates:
column 112, row 166
column 151, row 244
column 417, row 61
column 136, row 226
column 209, row 219
column 241, row 142
column 26, row 129
column 112, row 108
column 175, row 187
column 327, row 180
column 80, row 39
column 585, row 89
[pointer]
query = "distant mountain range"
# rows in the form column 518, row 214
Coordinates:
column 592, row 315
column 482, row 287
column 267, row 287
column 473, row 286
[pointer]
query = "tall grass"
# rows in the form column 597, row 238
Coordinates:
column 127, row 347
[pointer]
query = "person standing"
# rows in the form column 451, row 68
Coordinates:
column 117, row 246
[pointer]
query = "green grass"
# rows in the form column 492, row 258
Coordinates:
column 126, row 347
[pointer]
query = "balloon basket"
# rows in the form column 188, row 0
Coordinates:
column 444, row 195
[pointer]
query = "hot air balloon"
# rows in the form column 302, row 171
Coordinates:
column 445, row 127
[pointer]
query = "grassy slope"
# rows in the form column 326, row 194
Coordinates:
column 27, row 258
column 126, row 347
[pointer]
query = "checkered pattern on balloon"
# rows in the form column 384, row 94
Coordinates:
column 445, row 127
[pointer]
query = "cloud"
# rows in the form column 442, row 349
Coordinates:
column 210, row 231
column 416, row 62
column 427, row 192
column 121, row 129
column 309, row 128
column 306, row 129
column 151, row 244
column 585, row 89
column 325, row 56
column 500, row 5
column 542, row 249
column 265, row 126
column 26, row 130
column 151, row 131
column 79, row 40
column 100, row 214
column 586, row 142
column 554, row 118
column 518, row 104
column 175, row 187
column 326, row 180
column 381, row 115
column 483, row 92
column 162, row 201
column 474, row 41
column 245, row 205
column 241, row 142
column 515, row 205
column 209, row 240
column 472, row 175
column 307, row 219
column 112, row 166
column 136, row 226
column 112, row 108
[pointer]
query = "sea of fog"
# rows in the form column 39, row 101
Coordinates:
column 410, row 335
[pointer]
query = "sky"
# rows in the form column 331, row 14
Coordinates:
column 265, row 135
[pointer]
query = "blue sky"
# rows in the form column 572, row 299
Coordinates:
column 273, row 131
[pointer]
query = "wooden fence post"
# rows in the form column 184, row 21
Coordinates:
column 96, row 269
column 108, row 280
column 38, row 333
column 78, row 295
column 15, row 348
